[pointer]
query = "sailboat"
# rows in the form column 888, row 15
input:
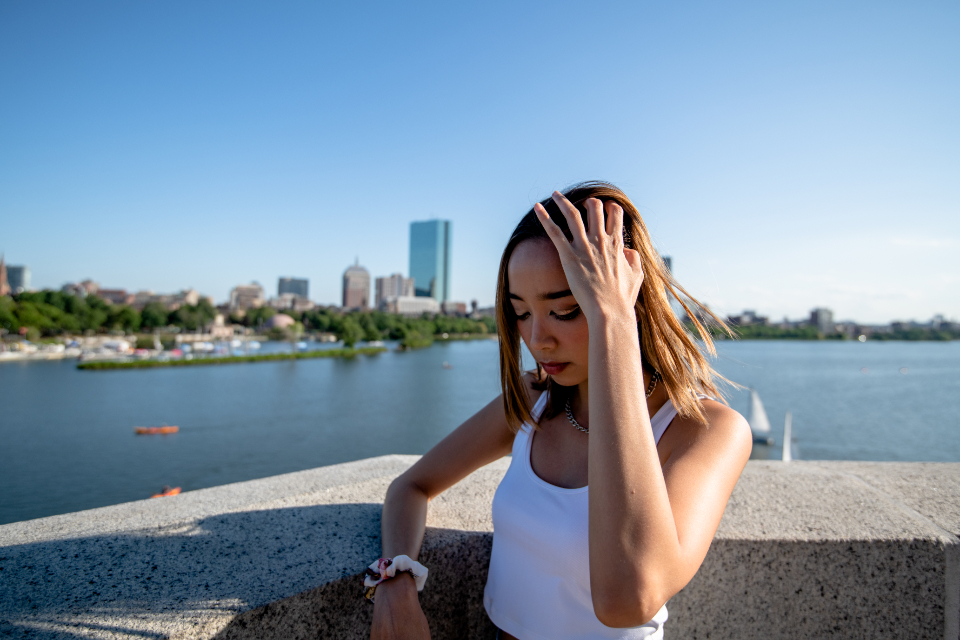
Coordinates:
column 759, row 423
column 787, row 438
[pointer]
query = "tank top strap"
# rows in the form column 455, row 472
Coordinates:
column 662, row 419
column 665, row 415
column 539, row 406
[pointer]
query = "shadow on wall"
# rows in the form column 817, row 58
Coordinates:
column 452, row 603
column 293, row 572
column 296, row 573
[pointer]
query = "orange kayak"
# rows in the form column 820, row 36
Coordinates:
column 167, row 491
column 153, row 431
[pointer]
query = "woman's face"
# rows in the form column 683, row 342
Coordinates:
column 548, row 317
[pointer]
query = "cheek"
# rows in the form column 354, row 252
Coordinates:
column 575, row 335
column 581, row 335
column 524, row 328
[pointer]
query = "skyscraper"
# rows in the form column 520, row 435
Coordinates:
column 430, row 258
column 18, row 278
column 394, row 286
column 296, row 286
column 356, row 287
column 822, row 319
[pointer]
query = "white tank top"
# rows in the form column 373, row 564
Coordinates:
column 538, row 587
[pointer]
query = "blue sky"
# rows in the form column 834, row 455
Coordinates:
column 786, row 155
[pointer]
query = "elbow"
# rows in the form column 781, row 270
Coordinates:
column 621, row 606
column 402, row 487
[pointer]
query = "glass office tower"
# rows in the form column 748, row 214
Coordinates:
column 430, row 258
column 296, row 286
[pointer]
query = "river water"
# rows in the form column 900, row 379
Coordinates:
column 67, row 441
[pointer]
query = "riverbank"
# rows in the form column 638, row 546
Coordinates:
column 416, row 341
column 266, row 357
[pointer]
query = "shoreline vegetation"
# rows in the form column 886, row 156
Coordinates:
column 52, row 316
column 769, row 332
column 55, row 314
column 266, row 357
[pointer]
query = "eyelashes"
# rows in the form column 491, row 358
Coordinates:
column 562, row 317
column 570, row 315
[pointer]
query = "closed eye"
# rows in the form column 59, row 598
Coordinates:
column 570, row 315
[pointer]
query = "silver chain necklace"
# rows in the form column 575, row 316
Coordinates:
column 653, row 385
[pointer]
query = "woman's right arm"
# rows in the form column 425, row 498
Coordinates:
column 483, row 438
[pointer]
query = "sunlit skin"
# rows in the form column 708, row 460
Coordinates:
column 654, row 507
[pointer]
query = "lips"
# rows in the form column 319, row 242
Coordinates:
column 553, row 368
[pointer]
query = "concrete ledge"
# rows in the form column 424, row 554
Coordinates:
column 805, row 549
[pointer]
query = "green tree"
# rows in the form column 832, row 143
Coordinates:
column 8, row 316
column 256, row 317
column 123, row 317
column 154, row 316
column 350, row 332
column 370, row 330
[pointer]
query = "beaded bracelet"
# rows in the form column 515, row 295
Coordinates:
column 386, row 568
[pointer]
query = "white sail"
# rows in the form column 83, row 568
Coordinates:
column 759, row 423
column 787, row 437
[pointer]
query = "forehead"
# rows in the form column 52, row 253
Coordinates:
column 535, row 268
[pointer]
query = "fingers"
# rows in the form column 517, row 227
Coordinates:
column 574, row 221
column 553, row 231
column 614, row 220
column 633, row 259
column 594, row 209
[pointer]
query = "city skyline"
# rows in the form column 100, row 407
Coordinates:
column 786, row 156
column 405, row 285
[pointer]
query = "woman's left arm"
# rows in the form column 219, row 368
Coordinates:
column 650, row 527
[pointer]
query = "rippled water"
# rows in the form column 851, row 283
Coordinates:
column 67, row 439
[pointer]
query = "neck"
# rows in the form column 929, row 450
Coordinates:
column 581, row 399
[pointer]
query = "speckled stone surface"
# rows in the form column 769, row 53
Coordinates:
column 830, row 549
column 805, row 550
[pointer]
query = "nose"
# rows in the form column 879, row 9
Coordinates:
column 540, row 335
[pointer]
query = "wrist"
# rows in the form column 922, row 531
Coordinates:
column 611, row 315
column 401, row 588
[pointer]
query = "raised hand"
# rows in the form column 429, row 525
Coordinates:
column 604, row 276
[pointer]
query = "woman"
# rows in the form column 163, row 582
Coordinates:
column 582, row 286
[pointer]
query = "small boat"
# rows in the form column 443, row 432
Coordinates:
column 446, row 365
column 155, row 431
column 759, row 423
column 166, row 492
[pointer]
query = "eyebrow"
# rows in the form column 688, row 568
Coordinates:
column 555, row 295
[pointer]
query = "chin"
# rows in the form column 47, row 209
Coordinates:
column 567, row 379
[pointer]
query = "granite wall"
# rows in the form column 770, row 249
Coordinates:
column 805, row 550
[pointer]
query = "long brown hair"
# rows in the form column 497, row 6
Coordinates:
column 666, row 346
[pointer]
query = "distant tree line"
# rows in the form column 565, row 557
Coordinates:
column 809, row 332
column 52, row 313
column 354, row 326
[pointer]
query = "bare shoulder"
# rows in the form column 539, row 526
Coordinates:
column 726, row 434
